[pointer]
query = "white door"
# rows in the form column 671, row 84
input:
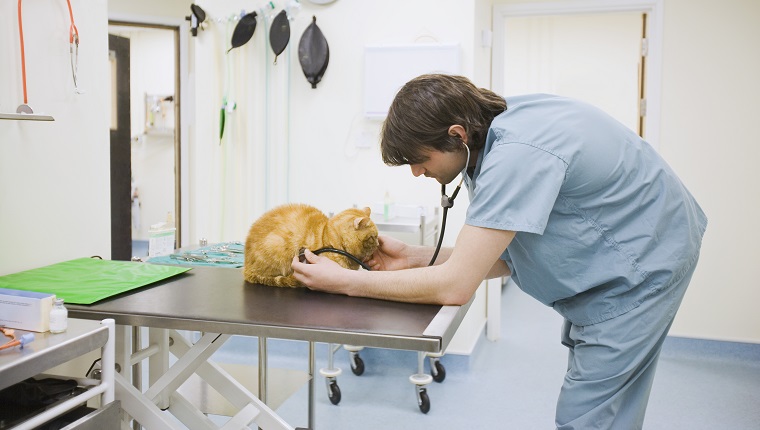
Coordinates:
column 587, row 49
column 593, row 57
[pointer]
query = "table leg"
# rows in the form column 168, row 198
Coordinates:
column 493, row 308
column 312, row 384
column 123, row 359
column 262, row 370
column 137, row 367
column 158, row 363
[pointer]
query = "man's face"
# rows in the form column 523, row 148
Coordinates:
column 441, row 166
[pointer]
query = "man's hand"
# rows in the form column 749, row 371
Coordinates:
column 391, row 254
column 318, row 271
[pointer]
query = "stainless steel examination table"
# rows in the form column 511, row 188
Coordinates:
column 218, row 303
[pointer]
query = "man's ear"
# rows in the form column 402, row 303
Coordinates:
column 458, row 130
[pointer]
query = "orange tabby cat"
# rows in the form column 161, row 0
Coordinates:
column 279, row 235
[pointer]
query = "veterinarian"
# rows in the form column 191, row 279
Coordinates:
column 583, row 214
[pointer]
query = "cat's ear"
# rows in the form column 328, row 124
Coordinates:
column 367, row 210
column 360, row 223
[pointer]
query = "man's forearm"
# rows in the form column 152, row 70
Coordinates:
column 452, row 282
column 430, row 285
column 420, row 256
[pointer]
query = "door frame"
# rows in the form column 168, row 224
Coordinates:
column 119, row 153
column 653, row 71
column 183, row 103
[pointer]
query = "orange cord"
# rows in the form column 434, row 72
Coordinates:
column 10, row 344
column 72, row 28
column 9, row 333
column 73, row 38
column 23, row 58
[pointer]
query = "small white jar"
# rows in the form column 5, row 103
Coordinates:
column 59, row 317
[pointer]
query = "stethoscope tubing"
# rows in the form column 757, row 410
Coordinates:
column 302, row 257
column 448, row 202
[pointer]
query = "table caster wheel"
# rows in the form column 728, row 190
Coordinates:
column 333, row 392
column 357, row 364
column 423, row 400
column 438, row 371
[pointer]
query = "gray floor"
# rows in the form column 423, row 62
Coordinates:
column 513, row 383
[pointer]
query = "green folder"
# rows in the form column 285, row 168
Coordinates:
column 86, row 280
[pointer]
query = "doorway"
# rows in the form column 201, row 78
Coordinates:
column 607, row 53
column 152, row 193
column 121, row 241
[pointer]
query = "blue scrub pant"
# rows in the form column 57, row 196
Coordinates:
column 611, row 365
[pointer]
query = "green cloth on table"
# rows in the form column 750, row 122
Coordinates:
column 86, row 280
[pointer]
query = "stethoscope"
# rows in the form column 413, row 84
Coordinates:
column 448, row 202
column 302, row 257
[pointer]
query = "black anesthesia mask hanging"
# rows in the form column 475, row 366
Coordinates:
column 313, row 53
column 279, row 34
column 243, row 31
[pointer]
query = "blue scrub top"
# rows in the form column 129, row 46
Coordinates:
column 601, row 220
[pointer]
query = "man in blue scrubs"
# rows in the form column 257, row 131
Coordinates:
column 583, row 214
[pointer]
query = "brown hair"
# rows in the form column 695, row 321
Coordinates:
column 423, row 110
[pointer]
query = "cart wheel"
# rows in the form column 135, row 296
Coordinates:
column 357, row 365
column 423, row 401
column 438, row 371
column 333, row 392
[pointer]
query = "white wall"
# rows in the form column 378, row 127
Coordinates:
column 54, row 176
column 305, row 150
column 327, row 168
column 151, row 9
column 711, row 64
column 709, row 91
column 323, row 125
